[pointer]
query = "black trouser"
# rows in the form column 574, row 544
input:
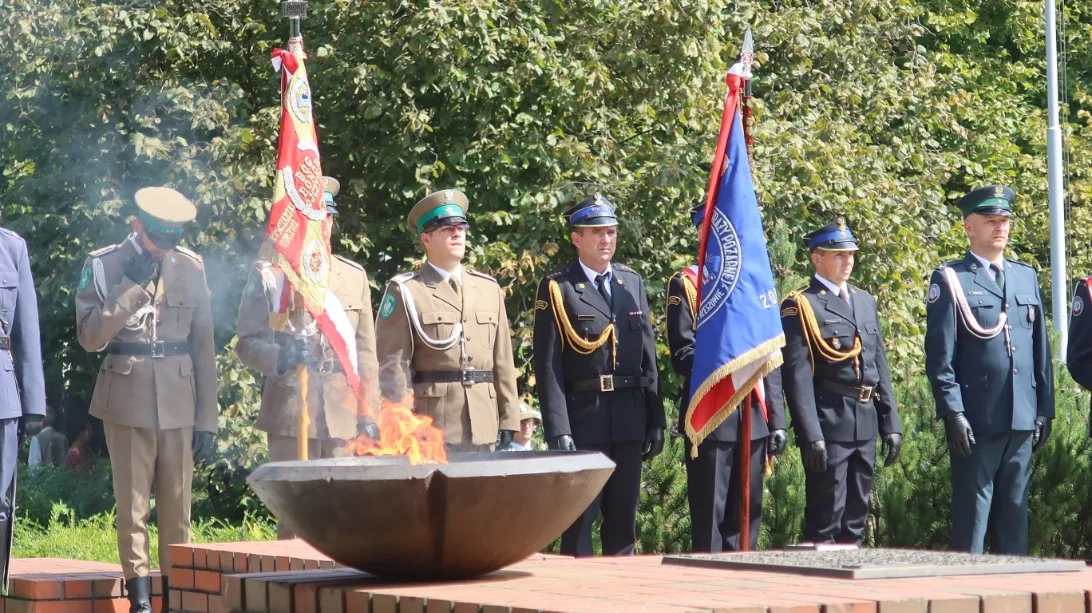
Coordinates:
column 617, row 502
column 837, row 498
column 714, row 489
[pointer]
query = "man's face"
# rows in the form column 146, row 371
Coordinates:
column 145, row 240
column 526, row 430
column 834, row 266
column 987, row 233
column 597, row 244
column 446, row 241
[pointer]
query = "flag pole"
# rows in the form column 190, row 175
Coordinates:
column 745, row 56
column 294, row 11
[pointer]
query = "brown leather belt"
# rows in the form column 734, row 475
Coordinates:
column 607, row 383
column 862, row 394
column 157, row 349
column 467, row 376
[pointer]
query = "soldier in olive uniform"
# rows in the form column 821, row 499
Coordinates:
column 448, row 325
column 1078, row 355
column 147, row 304
column 838, row 387
column 335, row 417
column 988, row 359
column 595, row 369
column 713, row 478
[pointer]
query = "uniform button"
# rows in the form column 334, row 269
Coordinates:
column 464, row 320
column 468, row 338
column 1006, row 305
column 1015, row 372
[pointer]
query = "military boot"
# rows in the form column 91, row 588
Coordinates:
column 139, row 590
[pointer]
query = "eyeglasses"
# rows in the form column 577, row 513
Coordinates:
column 450, row 229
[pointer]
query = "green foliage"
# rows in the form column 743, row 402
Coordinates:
column 65, row 535
column 82, row 494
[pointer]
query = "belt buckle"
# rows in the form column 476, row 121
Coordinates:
column 606, row 383
column 159, row 349
column 864, row 393
column 467, row 376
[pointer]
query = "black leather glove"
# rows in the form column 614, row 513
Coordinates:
column 368, row 429
column 202, row 446
column 140, row 268
column 654, row 443
column 292, row 354
column 892, row 446
column 504, row 440
column 1043, row 426
column 814, row 455
column 563, row 442
column 960, row 437
column 778, row 438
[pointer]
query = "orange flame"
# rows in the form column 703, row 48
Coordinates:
column 402, row 432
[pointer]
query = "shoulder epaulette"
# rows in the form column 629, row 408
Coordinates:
column 481, row 274
column 402, row 277
column 1019, row 263
column 101, row 252
column 624, row 268
column 188, row 253
column 555, row 274
column 352, row 263
column 11, row 233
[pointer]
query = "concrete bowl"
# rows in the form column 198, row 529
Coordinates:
column 472, row 516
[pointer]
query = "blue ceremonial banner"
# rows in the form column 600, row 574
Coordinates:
column 739, row 338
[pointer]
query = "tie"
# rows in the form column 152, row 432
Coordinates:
column 455, row 286
column 998, row 276
column 844, row 295
column 601, row 284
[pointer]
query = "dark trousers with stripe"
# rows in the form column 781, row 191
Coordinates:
column 836, row 505
column 714, row 489
column 617, row 502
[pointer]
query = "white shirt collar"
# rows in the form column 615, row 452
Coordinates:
column 132, row 239
column 836, row 289
column 591, row 274
column 445, row 275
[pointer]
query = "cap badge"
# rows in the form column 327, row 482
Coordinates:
column 449, row 196
column 999, row 191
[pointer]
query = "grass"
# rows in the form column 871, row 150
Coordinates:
column 95, row 538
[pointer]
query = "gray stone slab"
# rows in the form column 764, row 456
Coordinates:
column 875, row 563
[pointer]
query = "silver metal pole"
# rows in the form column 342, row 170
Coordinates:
column 1058, row 277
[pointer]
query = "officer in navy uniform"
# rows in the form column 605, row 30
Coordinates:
column 713, row 478
column 988, row 359
column 838, row 388
column 1078, row 356
column 595, row 370
column 22, row 394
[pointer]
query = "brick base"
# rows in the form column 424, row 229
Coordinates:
column 197, row 571
column 50, row 585
column 556, row 584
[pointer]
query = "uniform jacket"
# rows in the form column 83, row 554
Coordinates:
column 21, row 379
column 467, row 414
column 594, row 417
column 1078, row 355
column 332, row 408
column 680, row 341
column 821, row 414
column 995, row 391
column 176, row 391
